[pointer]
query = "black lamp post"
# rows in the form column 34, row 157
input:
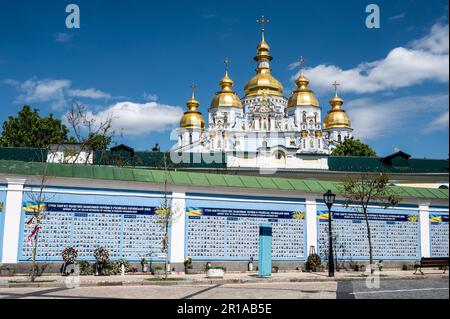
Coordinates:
column 329, row 198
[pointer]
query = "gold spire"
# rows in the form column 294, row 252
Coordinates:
column 302, row 96
column 263, row 79
column 192, row 118
column 336, row 117
column 226, row 97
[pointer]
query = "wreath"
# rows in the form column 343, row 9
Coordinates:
column 101, row 255
column 69, row 255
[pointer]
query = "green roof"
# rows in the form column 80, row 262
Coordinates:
column 376, row 164
column 194, row 179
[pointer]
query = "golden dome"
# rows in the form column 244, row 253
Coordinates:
column 192, row 118
column 226, row 97
column 263, row 81
column 336, row 117
column 303, row 96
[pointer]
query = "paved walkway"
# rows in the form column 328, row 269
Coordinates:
column 305, row 290
column 200, row 279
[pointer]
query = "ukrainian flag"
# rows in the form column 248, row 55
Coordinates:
column 321, row 215
column 435, row 219
column 33, row 207
column 193, row 211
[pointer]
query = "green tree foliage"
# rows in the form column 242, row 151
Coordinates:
column 352, row 147
column 29, row 129
column 98, row 141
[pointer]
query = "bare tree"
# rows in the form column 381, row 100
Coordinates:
column 87, row 131
column 90, row 133
column 363, row 190
column 38, row 198
column 165, row 212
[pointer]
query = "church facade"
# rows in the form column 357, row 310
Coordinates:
column 265, row 128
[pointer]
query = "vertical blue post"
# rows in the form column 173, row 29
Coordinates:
column 265, row 251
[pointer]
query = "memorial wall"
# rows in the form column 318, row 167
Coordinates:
column 439, row 232
column 90, row 221
column 395, row 233
column 2, row 215
column 229, row 230
column 218, row 228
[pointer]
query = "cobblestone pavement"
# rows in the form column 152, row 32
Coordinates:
column 324, row 290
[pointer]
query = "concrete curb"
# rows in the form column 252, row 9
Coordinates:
column 212, row 281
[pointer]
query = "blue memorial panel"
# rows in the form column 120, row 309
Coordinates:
column 395, row 234
column 129, row 232
column 439, row 232
column 233, row 234
column 2, row 217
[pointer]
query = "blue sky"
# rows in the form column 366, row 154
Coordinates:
column 137, row 59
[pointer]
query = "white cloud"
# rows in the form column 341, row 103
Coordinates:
column 440, row 123
column 373, row 118
column 397, row 17
column 89, row 93
column 46, row 90
column 426, row 59
column 55, row 92
column 63, row 37
column 436, row 41
column 135, row 119
column 150, row 97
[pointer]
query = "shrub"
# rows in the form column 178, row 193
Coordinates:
column 85, row 268
column 188, row 263
column 115, row 267
column 313, row 263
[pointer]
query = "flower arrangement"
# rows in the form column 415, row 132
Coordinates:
column 101, row 254
column 102, row 265
column 69, row 255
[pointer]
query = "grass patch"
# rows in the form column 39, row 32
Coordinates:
column 163, row 279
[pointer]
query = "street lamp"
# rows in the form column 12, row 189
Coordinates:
column 329, row 198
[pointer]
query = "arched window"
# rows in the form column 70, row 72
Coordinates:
column 190, row 138
column 304, row 117
column 264, row 144
column 339, row 137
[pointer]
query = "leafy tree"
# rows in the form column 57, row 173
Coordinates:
column 29, row 129
column 98, row 141
column 364, row 189
column 352, row 147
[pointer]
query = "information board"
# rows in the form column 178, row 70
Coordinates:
column 439, row 232
column 233, row 234
column 395, row 235
column 129, row 232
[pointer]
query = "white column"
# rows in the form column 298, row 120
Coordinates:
column 13, row 210
column 424, row 218
column 311, row 224
column 177, row 231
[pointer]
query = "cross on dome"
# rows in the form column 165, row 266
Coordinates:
column 263, row 22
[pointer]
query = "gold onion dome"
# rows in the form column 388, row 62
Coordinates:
column 192, row 118
column 263, row 81
column 226, row 97
column 302, row 96
column 336, row 117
